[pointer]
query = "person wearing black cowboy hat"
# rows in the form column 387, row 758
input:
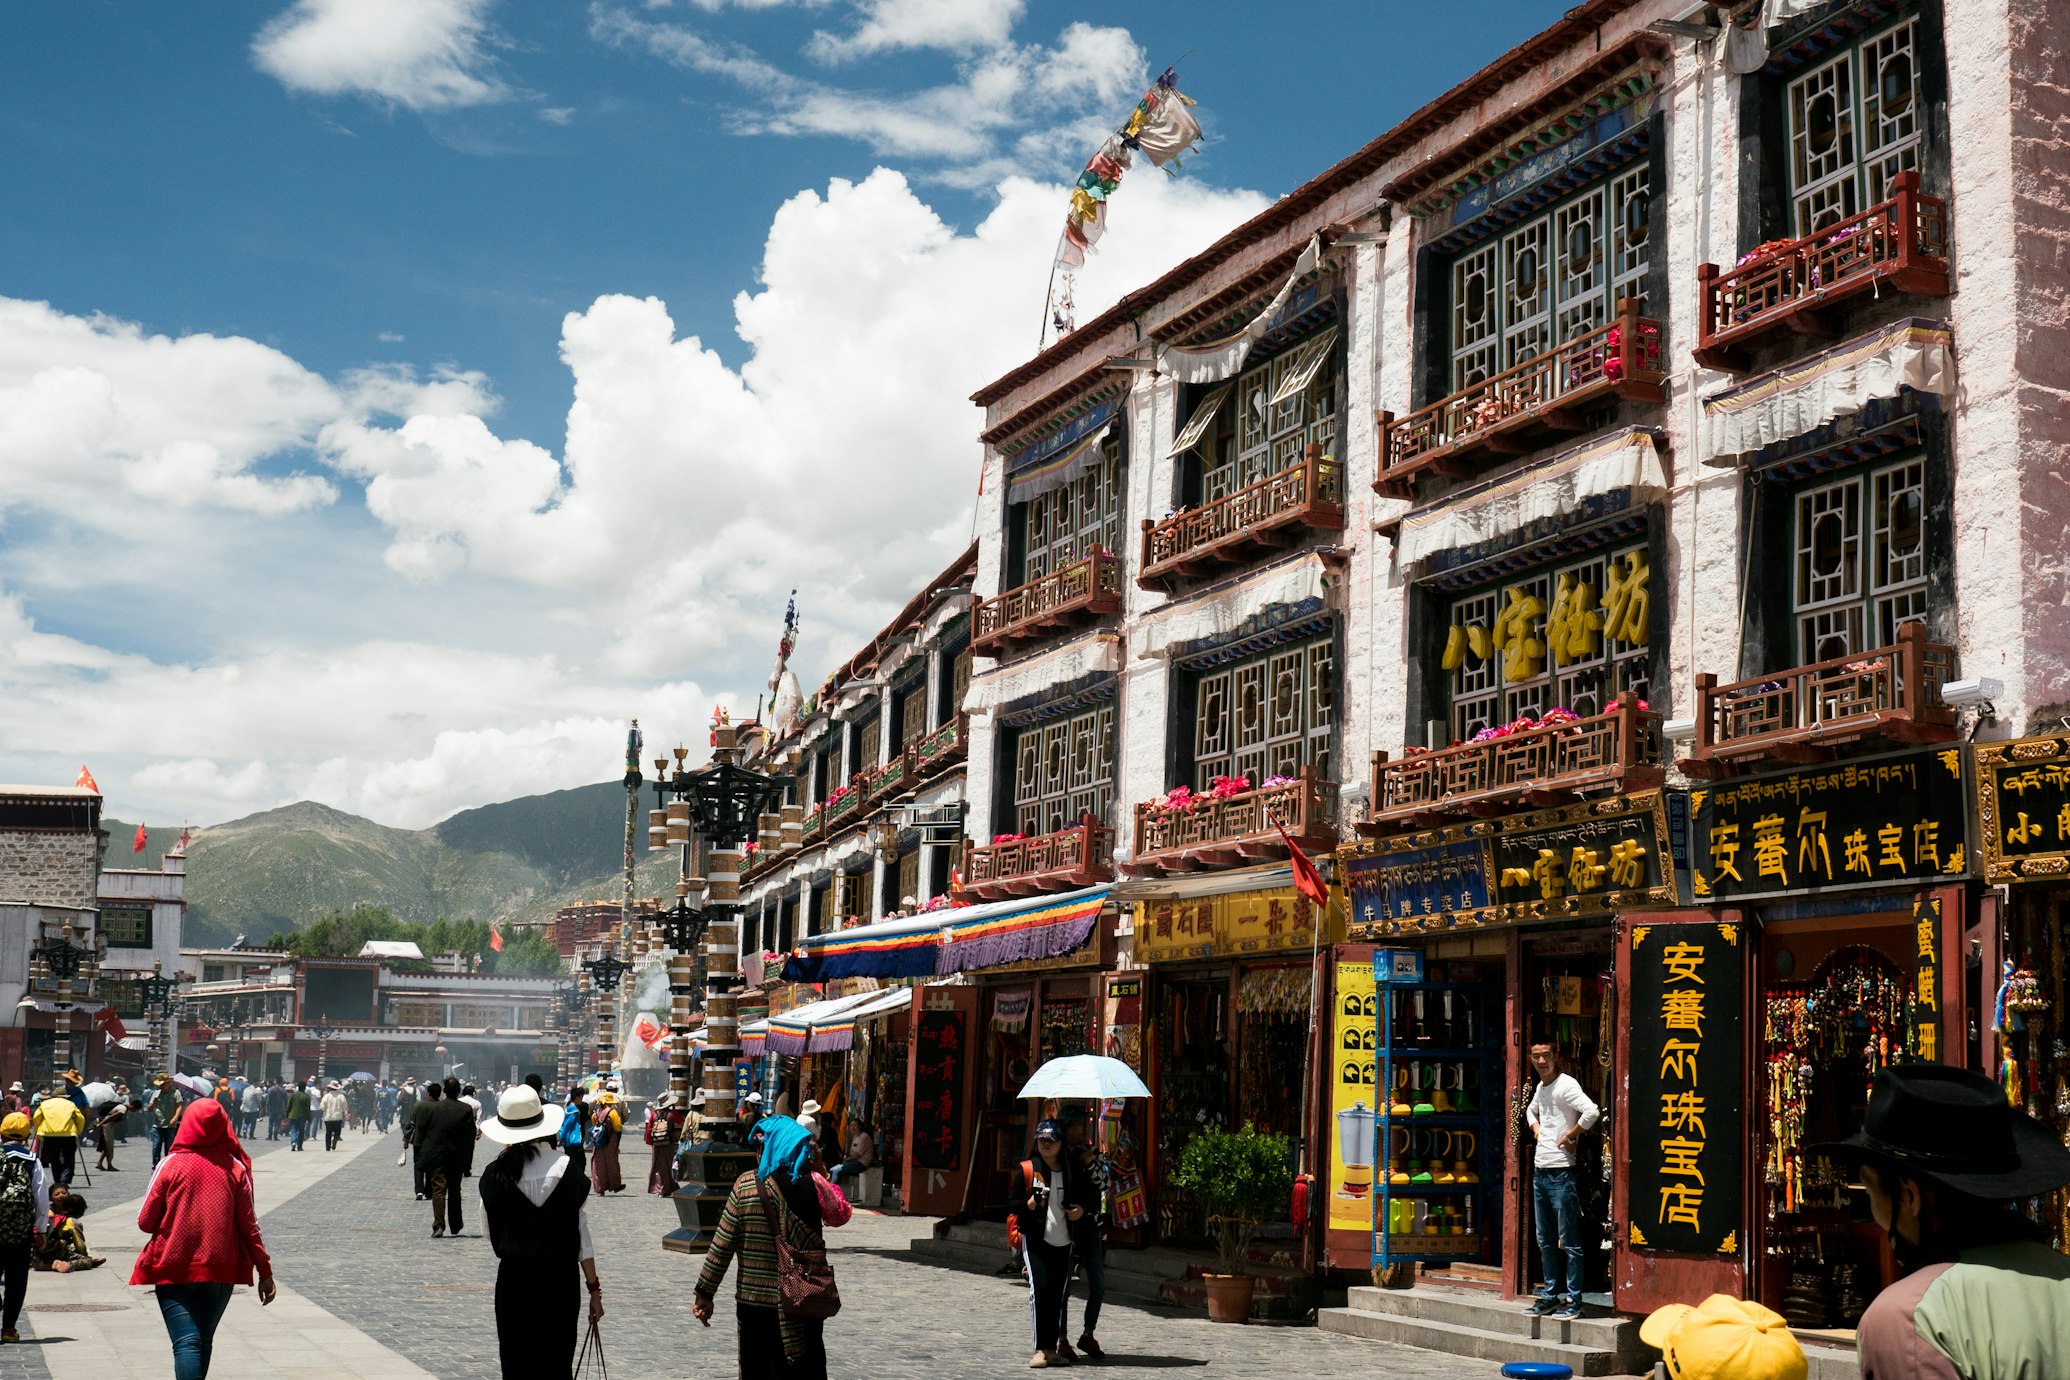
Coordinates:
column 1945, row 1161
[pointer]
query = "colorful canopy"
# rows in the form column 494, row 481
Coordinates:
column 818, row 1027
column 951, row 941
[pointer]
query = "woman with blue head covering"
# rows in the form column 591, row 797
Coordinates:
column 772, row 1343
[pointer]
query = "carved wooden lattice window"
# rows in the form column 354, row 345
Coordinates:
column 1070, row 523
column 959, row 686
column 1064, row 769
column 1549, row 280
column 1255, row 438
column 1268, row 716
column 912, row 713
column 1568, row 636
column 908, row 876
column 869, row 740
column 1860, row 561
column 1854, row 126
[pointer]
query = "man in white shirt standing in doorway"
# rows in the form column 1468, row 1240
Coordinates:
column 1559, row 1112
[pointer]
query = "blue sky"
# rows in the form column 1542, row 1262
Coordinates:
column 292, row 502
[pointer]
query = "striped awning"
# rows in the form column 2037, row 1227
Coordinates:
column 887, row 949
column 1015, row 931
column 818, row 1027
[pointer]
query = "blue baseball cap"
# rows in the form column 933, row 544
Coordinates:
column 1049, row 1130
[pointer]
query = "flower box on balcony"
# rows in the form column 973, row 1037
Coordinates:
column 1180, row 832
column 1780, row 288
column 888, row 778
column 1013, row 865
column 942, row 748
column 1802, row 714
column 815, row 822
column 1509, row 413
column 1525, row 767
column 1268, row 515
column 1066, row 598
column 842, row 802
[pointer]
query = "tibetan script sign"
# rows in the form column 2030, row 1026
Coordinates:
column 2023, row 808
column 937, row 1116
column 1585, row 860
column 1685, row 1120
column 1898, row 820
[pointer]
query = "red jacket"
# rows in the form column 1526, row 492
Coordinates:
column 198, row 1211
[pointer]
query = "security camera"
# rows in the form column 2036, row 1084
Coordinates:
column 1980, row 690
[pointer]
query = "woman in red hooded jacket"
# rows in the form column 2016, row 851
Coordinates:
column 204, row 1231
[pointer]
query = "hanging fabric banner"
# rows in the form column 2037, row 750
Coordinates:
column 1215, row 360
column 1041, row 929
column 1010, row 1010
column 1162, row 127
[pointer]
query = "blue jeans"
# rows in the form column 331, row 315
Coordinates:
column 296, row 1130
column 1556, row 1202
column 191, row 1312
column 161, row 1141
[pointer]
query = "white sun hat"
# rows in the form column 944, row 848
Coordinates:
column 520, row 1116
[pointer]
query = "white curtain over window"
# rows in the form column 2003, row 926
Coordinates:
column 1203, row 417
column 1222, row 609
column 1016, row 680
column 1220, row 359
column 1805, row 395
column 1625, row 459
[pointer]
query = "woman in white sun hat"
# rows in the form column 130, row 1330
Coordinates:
column 534, row 1197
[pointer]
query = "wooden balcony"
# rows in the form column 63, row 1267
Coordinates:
column 815, row 824
column 1082, row 855
column 1900, row 245
column 1077, row 594
column 941, row 749
column 1801, row 715
column 1270, row 514
column 837, row 812
column 888, row 779
column 1512, row 412
column 1236, row 829
column 1614, row 751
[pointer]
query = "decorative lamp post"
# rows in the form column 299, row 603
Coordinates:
column 323, row 1048
column 158, row 992
column 721, row 806
column 63, row 961
column 605, row 973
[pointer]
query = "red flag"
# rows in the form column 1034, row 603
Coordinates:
column 185, row 836
column 86, row 781
column 1307, row 880
column 112, row 1023
column 496, row 939
column 138, row 846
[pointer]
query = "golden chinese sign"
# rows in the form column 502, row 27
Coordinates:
column 1895, row 820
column 1272, row 921
column 1685, row 1119
column 1926, row 974
column 1580, row 861
column 2023, row 808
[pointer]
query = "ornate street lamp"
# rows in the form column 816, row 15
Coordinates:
column 323, row 1048
column 158, row 992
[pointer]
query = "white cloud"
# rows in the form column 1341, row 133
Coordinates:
column 391, row 337
column 957, row 25
column 1013, row 107
column 421, row 54
column 649, row 557
column 558, row 114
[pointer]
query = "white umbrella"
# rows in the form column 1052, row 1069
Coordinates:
column 99, row 1094
column 1089, row 1076
column 194, row 1085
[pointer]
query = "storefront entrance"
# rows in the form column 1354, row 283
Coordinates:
column 1569, row 991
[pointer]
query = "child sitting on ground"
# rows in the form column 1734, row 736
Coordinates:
column 63, row 1247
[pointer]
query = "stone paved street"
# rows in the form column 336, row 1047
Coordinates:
column 356, row 1245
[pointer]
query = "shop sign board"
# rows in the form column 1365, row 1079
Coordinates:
column 1687, row 1120
column 1926, row 975
column 939, row 1053
column 2023, row 809
column 1901, row 819
column 1596, row 858
column 1354, row 1030
column 1268, row 921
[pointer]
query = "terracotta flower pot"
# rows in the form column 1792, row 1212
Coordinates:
column 1229, row 1297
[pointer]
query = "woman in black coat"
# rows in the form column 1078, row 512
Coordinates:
column 534, row 1197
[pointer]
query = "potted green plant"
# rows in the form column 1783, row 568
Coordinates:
column 1240, row 1178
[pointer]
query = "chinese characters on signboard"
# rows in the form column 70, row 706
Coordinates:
column 1271, row 920
column 1882, row 821
column 1448, row 878
column 1926, row 975
column 937, row 1116
column 2023, row 808
column 1354, row 1031
column 1685, row 1121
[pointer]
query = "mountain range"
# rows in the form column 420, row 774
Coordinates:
column 520, row 860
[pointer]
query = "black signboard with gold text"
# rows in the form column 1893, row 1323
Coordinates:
column 1686, row 1118
column 937, row 1116
column 2023, row 808
column 1895, row 820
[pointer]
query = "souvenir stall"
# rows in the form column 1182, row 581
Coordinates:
column 1844, row 884
column 1230, row 980
column 2023, row 791
column 1124, row 1123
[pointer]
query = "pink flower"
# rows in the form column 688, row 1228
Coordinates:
column 1222, row 787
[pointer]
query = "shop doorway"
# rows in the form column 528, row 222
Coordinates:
column 1569, row 993
column 1836, row 1008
